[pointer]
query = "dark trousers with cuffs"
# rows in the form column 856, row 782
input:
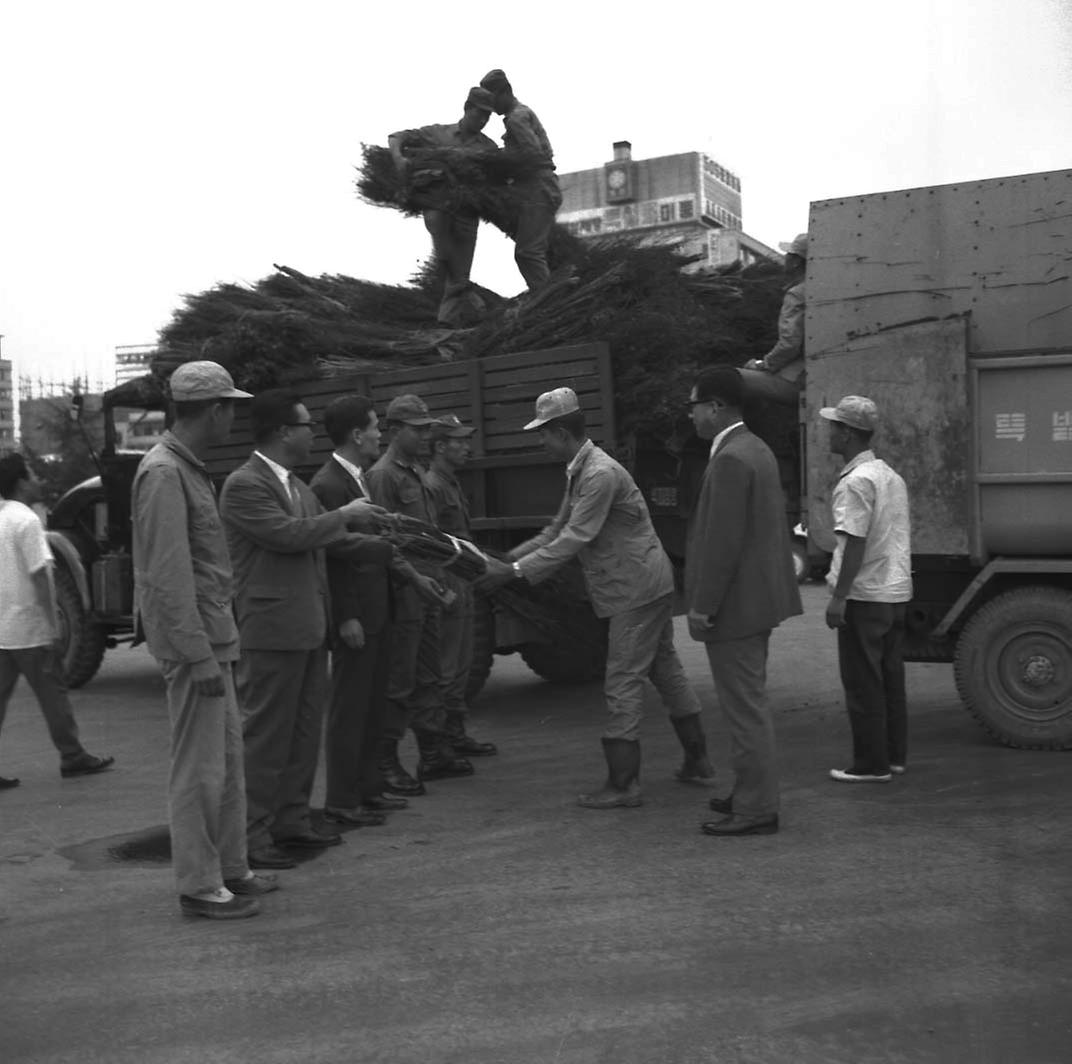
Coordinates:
column 871, row 659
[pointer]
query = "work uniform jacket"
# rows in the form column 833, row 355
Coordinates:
column 183, row 581
column 738, row 560
column 786, row 358
column 604, row 522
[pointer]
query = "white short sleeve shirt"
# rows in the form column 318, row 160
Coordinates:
column 23, row 551
column 871, row 502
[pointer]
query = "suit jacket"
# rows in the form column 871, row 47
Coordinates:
column 282, row 592
column 360, row 580
column 738, row 562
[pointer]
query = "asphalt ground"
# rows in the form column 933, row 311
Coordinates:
column 495, row 922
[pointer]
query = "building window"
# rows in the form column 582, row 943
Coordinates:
column 666, row 212
column 684, row 208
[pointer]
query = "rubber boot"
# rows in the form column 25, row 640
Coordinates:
column 622, row 789
column 438, row 760
column 696, row 768
column 463, row 744
column 396, row 780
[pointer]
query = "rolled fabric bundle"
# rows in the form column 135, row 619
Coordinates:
column 419, row 541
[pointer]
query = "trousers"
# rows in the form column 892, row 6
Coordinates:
column 355, row 721
column 539, row 199
column 282, row 694
column 739, row 670
column 456, row 646
column 640, row 646
column 41, row 668
column 454, row 243
column 413, row 699
column 206, row 782
column 871, row 661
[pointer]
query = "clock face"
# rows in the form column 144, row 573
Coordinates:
column 616, row 179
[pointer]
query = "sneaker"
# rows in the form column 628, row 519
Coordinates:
column 844, row 776
column 897, row 770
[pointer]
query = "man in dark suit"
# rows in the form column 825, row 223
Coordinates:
column 361, row 590
column 739, row 585
column 276, row 530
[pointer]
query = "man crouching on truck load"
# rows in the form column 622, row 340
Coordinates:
column 604, row 521
column 871, row 580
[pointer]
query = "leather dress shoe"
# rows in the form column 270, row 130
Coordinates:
column 396, row 780
column 721, row 805
column 6, row 783
column 358, row 817
column 86, row 765
column 443, row 768
column 385, row 803
column 235, row 909
column 311, row 840
column 253, row 884
column 269, row 857
column 734, row 826
column 467, row 746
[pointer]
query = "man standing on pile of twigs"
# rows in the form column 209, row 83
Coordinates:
column 454, row 225
column 535, row 184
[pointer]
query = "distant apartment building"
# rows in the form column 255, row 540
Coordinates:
column 136, row 430
column 688, row 200
column 7, row 406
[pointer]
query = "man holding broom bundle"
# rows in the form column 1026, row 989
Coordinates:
column 452, row 226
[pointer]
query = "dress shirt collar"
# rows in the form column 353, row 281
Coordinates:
column 722, row 435
column 354, row 470
column 282, row 474
column 863, row 456
column 579, row 458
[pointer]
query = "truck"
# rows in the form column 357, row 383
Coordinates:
column 949, row 305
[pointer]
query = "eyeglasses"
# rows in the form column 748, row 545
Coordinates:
column 701, row 402
column 299, row 424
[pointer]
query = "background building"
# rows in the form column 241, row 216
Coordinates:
column 137, row 430
column 7, row 406
column 687, row 199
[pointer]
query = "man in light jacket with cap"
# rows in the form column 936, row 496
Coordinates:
column 453, row 228
column 604, row 523
column 871, row 582
column 184, row 602
column 739, row 585
column 535, row 184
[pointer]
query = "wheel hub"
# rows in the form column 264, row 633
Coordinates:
column 1039, row 671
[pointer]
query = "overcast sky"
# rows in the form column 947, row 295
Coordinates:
column 155, row 148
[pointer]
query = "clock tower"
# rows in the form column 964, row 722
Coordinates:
column 618, row 174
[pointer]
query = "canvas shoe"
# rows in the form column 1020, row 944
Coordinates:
column 845, row 776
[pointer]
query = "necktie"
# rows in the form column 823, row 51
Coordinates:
column 295, row 498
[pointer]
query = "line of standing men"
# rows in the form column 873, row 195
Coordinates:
column 234, row 604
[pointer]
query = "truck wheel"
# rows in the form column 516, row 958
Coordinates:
column 81, row 642
column 483, row 646
column 575, row 652
column 1013, row 668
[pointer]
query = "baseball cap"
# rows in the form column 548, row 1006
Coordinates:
column 449, row 426
column 856, row 411
column 799, row 246
column 481, row 99
column 553, row 404
column 194, row 381
column 411, row 409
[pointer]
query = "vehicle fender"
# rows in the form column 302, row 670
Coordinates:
column 66, row 553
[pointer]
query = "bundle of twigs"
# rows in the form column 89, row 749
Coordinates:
column 421, row 542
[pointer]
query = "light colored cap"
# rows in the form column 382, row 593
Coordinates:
column 194, row 381
column 553, row 404
column 411, row 409
column 799, row 246
column 856, row 411
column 450, row 426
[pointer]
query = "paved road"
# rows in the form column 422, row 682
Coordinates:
column 496, row 923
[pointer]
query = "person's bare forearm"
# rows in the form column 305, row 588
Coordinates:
column 45, row 592
column 851, row 561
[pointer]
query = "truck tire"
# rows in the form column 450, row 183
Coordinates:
column 81, row 642
column 576, row 652
column 1013, row 668
column 483, row 646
